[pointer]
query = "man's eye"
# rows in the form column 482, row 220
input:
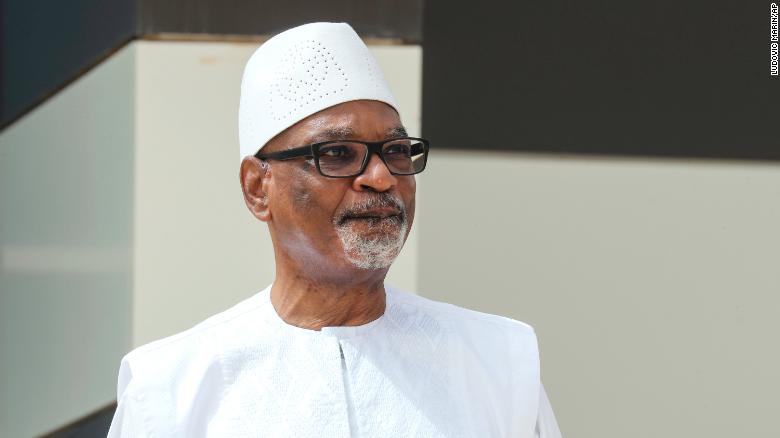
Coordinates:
column 397, row 149
column 335, row 152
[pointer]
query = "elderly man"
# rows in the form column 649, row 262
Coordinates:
column 329, row 350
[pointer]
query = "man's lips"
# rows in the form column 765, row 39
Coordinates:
column 374, row 213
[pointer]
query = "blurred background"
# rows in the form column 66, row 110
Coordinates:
column 607, row 171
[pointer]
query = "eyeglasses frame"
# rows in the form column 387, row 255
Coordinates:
column 313, row 151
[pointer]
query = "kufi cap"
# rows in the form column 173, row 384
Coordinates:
column 302, row 71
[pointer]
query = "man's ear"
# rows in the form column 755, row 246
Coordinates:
column 255, row 177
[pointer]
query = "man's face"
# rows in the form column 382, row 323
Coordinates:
column 335, row 223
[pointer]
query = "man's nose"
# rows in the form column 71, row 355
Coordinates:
column 376, row 177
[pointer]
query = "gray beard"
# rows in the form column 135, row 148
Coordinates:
column 378, row 250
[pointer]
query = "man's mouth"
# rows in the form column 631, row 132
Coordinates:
column 384, row 210
column 375, row 214
column 374, row 219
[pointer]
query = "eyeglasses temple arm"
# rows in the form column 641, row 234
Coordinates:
column 303, row 151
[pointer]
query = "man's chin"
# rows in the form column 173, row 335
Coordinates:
column 374, row 260
column 372, row 243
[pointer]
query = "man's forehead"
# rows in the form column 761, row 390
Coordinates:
column 355, row 120
column 348, row 132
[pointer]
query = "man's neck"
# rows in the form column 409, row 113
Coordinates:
column 312, row 305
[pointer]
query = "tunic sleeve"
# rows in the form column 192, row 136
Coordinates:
column 546, row 425
column 127, row 421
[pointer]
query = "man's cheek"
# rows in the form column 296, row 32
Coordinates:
column 300, row 188
column 301, row 197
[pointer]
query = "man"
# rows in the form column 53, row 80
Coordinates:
column 329, row 350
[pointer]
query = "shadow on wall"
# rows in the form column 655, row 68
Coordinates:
column 93, row 425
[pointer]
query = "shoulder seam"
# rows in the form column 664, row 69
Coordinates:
column 448, row 310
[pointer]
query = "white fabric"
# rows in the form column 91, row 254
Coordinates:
column 302, row 71
column 423, row 369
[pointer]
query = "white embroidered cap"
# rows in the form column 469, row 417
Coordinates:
column 302, row 71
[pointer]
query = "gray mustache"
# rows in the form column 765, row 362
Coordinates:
column 375, row 201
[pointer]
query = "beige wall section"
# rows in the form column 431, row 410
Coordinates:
column 653, row 284
column 198, row 250
column 65, row 251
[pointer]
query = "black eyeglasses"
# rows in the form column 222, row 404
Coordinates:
column 348, row 158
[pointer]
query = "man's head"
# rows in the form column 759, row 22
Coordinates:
column 357, row 222
column 323, row 226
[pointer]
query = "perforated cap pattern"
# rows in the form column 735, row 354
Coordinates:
column 302, row 71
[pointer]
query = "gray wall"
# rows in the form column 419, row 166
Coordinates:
column 653, row 284
column 66, row 232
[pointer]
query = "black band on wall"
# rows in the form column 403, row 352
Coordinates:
column 45, row 45
column 668, row 78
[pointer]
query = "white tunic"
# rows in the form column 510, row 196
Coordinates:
column 422, row 369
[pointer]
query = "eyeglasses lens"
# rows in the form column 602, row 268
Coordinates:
column 402, row 156
column 342, row 159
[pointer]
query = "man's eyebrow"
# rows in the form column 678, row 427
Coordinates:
column 398, row 131
column 334, row 133
column 346, row 132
